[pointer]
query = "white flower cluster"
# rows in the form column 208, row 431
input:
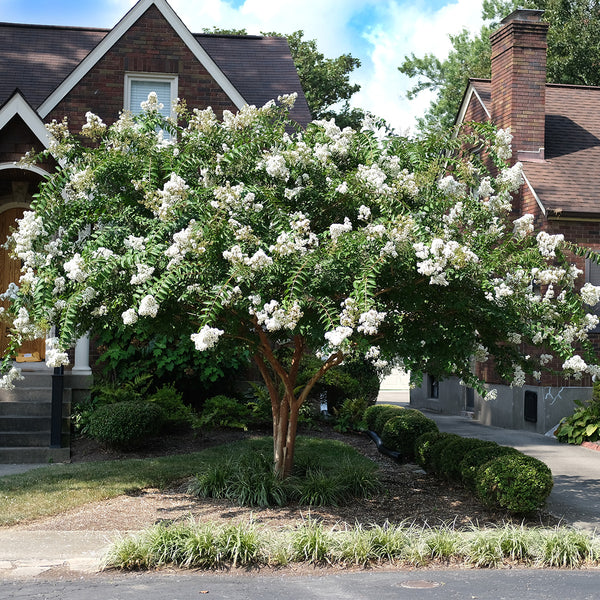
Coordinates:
column 501, row 291
column 130, row 316
column 245, row 117
column 55, row 357
column 364, row 213
column 152, row 105
column 11, row 292
column 274, row 317
column 374, row 178
column 25, row 327
column 511, row 177
column 518, row 377
column 102, row 253
column 7, row 380
column 75, row 270
column 502, row 144
column 259, row 260
column 590, row 294
column 340, row 139
column 481, row 353
column 451, row 188
column 336, row 337
column 206, row 338
column 523, row 226
column 547, row 243
column 94, row 126
column 135, row 243
column 29, row 228
column 235, row 200
column 485, row 189
column 575, row 364
column 275, row 166
column 350, row 312
column 184, row 241
column 337, row 229
column 148, row 307
column 174, row 191
column 203, row 121
column 144, row 273
column 514, row 338
column 299, row 241
column 370, row 321
column 438, row 255
column 373, row 354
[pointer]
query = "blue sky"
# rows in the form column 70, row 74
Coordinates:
column 378, row 32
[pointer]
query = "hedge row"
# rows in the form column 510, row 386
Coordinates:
column 502, row 477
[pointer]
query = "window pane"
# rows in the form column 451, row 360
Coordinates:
column 140, row 90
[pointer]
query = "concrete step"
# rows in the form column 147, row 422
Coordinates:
column 30, row 394
column 12, row 439
column 32, row 455
column 13, row 424
column 25, row 409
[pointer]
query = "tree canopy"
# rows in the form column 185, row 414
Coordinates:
column 285, row 245
column 573, row 54
column 325, row 81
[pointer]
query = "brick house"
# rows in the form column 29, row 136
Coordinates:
column 49, row 72
column 556, row 135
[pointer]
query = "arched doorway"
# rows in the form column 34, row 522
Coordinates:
column 16, row 189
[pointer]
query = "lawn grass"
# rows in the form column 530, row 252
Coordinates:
column 48, row 491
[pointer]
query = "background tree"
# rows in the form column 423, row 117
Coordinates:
column 325, row 242
column 325, row 81
column 573, row 54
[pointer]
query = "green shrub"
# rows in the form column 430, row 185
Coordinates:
column 583, row 425
column 177, row 414
column 350, row 416
column 438, row 450
column 454, row 452
column 400, row 432
column 422, row 447
column 376, row 416
column 472, row 460
column 515, row 482
column 126, row 425
column 222, row 411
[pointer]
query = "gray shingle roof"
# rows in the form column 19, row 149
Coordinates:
column 37, row 58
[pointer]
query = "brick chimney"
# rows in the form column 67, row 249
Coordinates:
column 519, row 81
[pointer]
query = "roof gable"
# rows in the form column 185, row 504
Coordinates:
column 113, row 36
column 17, row 105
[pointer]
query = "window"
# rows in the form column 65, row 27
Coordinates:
column 139, row 85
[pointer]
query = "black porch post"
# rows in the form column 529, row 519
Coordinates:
column 57, row 402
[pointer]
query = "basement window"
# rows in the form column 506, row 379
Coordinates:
column 139, row 85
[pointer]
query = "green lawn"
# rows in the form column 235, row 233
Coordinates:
column 54, row 489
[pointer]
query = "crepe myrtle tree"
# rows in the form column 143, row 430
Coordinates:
column 286, row 242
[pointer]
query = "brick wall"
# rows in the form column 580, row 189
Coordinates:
column 17, row 139
column 151, row 45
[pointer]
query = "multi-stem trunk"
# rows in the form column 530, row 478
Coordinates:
column 286, row 404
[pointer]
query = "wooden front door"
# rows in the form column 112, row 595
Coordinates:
column 10, row 271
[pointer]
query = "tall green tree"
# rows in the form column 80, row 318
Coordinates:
column 573, row 54
column 325, row 81
column 283, row 245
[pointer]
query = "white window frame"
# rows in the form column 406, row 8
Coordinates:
column 148, row 78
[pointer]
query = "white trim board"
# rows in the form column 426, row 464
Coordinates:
column 115, row 34
column 17, row 105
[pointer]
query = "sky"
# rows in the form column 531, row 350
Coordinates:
column 378, row 32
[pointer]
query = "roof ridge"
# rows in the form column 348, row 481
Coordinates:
column 573, row 86
column 68, row 27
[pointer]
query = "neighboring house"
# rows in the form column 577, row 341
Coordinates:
column 49, row 72
column 556, row 135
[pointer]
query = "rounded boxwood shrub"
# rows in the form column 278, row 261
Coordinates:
column 376, row 415
column 423, row 444
column 126, row 425
column 438, row 450
column 515, row 482
column 400, row 432
column 472, row 460
column 454, row 452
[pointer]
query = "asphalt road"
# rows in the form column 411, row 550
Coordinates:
column 508, row 584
